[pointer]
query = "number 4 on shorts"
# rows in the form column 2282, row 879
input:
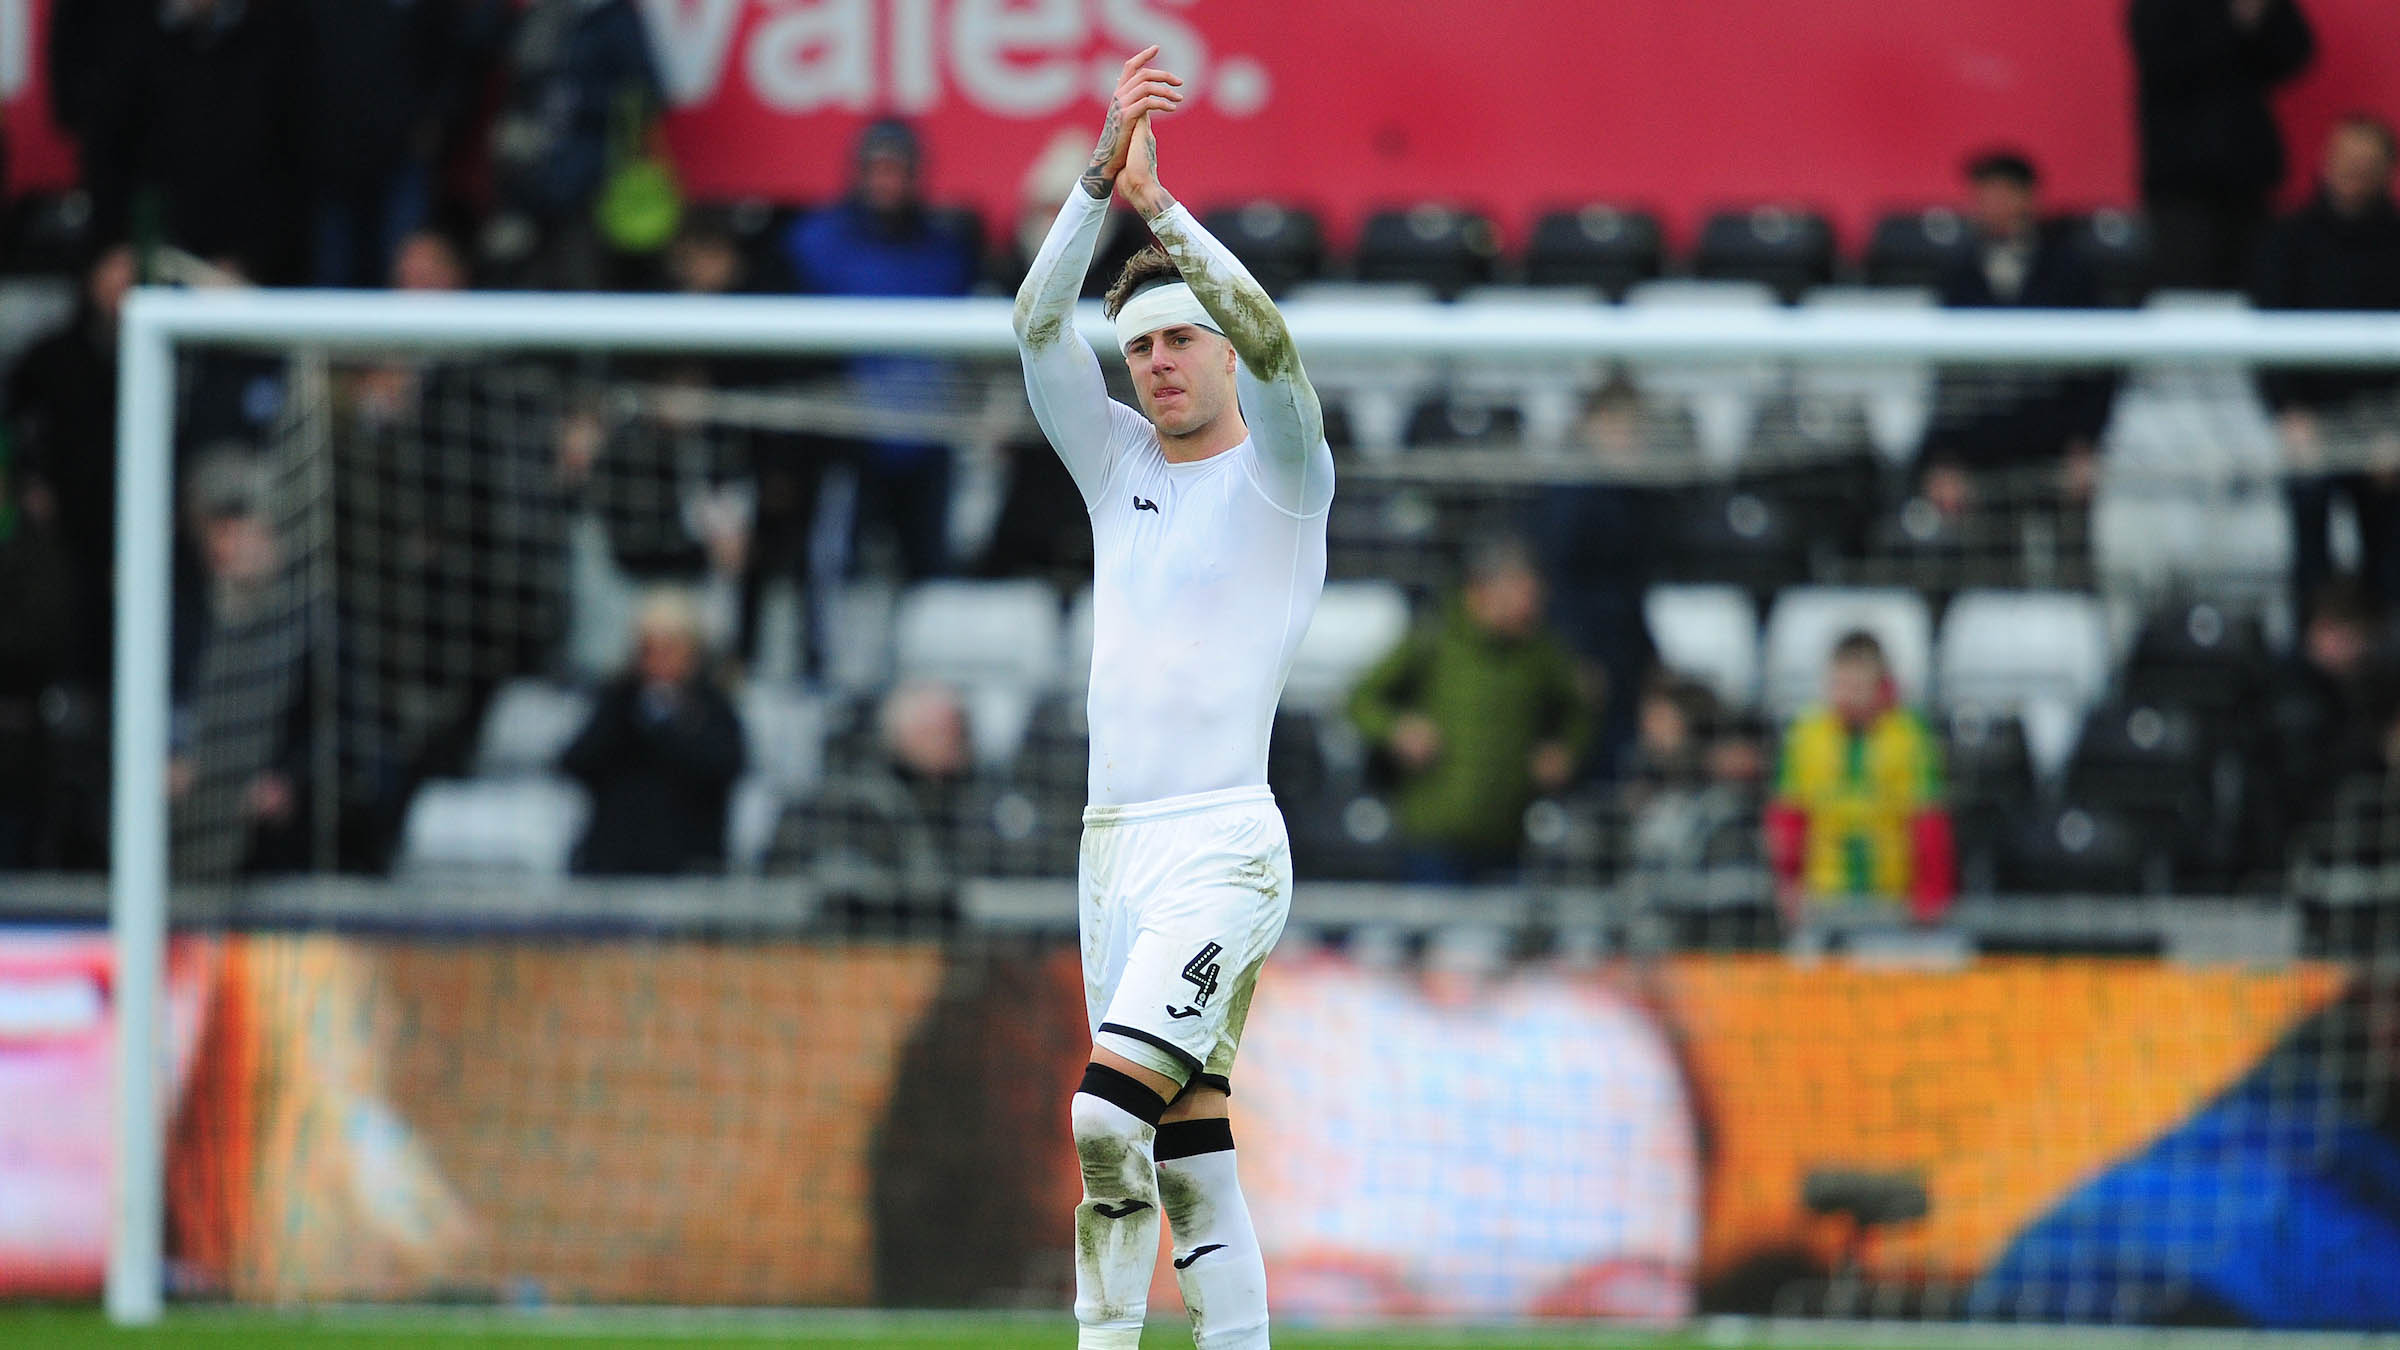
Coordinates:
column 1201, row 970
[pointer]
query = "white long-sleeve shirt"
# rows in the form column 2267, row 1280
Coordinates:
column 1204, row 574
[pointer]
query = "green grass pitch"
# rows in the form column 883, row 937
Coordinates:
column 75, row 1329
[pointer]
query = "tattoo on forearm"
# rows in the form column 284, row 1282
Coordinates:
column 1097, row 180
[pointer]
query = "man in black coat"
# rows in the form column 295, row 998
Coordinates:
column 61, row 411
column 2322, row 720
column 660, row 756
column 39, row 624
column 2341, row 428
column 1992, row 423
column 197, row 134
column 2212, row 155
column 387, row 78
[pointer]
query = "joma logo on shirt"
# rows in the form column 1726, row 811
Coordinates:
column 1141, row 503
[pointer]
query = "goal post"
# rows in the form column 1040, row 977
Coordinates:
column 160, row 326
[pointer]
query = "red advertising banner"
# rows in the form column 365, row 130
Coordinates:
column 1346, row 105
column 57, row 1023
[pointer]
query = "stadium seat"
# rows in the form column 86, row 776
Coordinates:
column 996, row 641
column 528, row 726
column 1830, row 493
column 1547, row 395
column 1357, row 624
column 2200, row 655
column 2145, row 759
column 1281, row 245
column 2153, row 536
column 1445, row 247
column 1732, row 535
column 521, row 824
column 2197, row 420
column 601, row 601
column 2006, row 649
column 1603, row 248
column 1722, row 397
column 2116, row 244
column 1807, row 620
column 1709, row 633
column 1780, row 247
column 1989, row 771
column 2041, row 655
column 31, row 308
column 858, row 627
column 1468, row 417
column 2080, row 849
column 1374, row 395
column 1915, row 248
column 2160, row 765
column 1894, row 397
column 783, row 728
column 47, row 234
column 979, row 631
column 751, row 815
column 2185, row 499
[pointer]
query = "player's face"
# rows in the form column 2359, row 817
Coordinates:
column 1184, row 376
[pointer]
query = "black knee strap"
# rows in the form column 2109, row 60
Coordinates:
column 1123, row 1091
column 1190, row 1138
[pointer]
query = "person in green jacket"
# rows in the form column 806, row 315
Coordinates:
column 1479, row 711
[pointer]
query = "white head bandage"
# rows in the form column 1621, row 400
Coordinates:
column 1161, row 307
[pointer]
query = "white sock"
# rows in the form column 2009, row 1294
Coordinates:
column 1217, row 1259
column 1116, row 1226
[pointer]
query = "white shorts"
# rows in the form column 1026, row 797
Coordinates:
column 1182, row 898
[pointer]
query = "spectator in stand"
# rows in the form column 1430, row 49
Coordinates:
column 61, row 411
column 743, row 502
column 672, row 482
column 85, row 41
column 240, row 771
column 1857, row 819
column 881, row 240
column 39, row 613
column 428, row 260
column 581, row 85
column 660, row 755
column 2341, row 428
column 2322, row 712
column 1594, row 539
column 2212, row 155
column 1690, row 785
column 1993, row 428
column 385, row 83
column 887, row 832
column 1478, row 713
column 196, row 134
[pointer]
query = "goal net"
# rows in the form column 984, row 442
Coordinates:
column 625, row 760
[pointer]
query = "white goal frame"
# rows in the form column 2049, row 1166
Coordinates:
column 158, row 323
